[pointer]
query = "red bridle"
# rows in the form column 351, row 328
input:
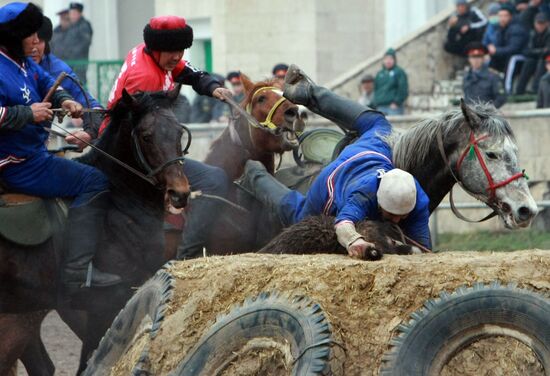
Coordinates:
column 473, row 149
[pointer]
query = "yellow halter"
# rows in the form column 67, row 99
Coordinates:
column 267, row 123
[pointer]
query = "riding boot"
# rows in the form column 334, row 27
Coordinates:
column 300, row 89
column 84, row 227
column 264, row 187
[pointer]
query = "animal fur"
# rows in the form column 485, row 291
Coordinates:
column 317, row 235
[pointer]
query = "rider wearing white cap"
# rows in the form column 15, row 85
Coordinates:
column 361, row 183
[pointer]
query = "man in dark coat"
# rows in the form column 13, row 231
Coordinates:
column 543, row 96
column 511, row 38
column 480, row 83
column 78, row 39
column 467, row 24
column 57, row 44
column 539, row 43
column 534, row 7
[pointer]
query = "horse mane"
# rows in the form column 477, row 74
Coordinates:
column 412, row 147
column 248, row 98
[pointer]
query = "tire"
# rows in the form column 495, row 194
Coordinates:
column 298, row 321
column 150, row 300
column 445, row 326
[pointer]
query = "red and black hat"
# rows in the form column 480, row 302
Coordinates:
column 168, row 33
column 476, row 49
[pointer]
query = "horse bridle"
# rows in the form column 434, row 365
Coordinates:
column 150, row 172
column 472, row 150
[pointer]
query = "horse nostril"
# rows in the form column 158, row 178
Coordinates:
column 506, row 208
column 178, row 198
column 524, row 213
column 291, row 113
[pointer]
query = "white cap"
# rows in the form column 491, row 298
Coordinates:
column 397, row 192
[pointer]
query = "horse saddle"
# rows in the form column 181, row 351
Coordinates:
column 28, row 220
column 318, row 148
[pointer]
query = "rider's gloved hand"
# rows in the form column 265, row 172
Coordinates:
column 363, row 250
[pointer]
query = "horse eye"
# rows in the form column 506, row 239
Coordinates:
column 491, row 155
column 261, row 98
column 147, row 138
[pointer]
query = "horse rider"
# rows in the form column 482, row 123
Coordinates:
column 361, row 183
column 25, row 164
column 157, row 65
column 42, row 55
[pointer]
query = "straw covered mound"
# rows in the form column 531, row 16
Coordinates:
column 364, row 302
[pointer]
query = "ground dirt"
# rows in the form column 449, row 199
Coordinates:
column 364, row 302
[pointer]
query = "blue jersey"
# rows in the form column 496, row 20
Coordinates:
column 54, row 66
column 23, row 84
column 347, row 187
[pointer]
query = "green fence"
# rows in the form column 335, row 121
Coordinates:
column 100, row 75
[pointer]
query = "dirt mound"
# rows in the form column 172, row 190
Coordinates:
column 364, row 301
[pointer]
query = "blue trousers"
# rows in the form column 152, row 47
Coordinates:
column 48, row 176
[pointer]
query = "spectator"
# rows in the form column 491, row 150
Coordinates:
column 78, row 39
column 58, row 45
column 480, row 83
column 489, row 37
column 511, row 39
column 543, row 94
column 367, row 90
column 237, row 87
column 207, row 109
column 539, row 44
column 527, row 17
column 467, row 24
column 279, row 73
column 390, row 86
column 521, row 5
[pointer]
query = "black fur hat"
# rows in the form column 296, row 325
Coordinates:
column 18, row 21
column 46, row 30
column 168, row 33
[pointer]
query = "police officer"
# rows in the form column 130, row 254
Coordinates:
column 481, row 84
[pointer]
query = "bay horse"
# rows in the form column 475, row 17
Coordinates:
column 145, row 135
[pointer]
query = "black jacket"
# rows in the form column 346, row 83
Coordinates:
column 484, row 86
column 202, row 82
column 539, row 43
column 511, row 40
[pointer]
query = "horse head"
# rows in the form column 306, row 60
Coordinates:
column 487, row 165
column 280, row 119
column 147, row 120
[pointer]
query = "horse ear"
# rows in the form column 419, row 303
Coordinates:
column 247, row 83
column 173, row 94
column 472, row 119
column 128, row 99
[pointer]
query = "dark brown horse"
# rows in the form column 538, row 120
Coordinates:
column 145, row 135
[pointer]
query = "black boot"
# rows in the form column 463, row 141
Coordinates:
column 263, row 186
column 84, row 227
column 300, row 89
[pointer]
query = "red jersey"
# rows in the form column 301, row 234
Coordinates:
column 140, row 72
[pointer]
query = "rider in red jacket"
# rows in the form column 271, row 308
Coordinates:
column 156, row 65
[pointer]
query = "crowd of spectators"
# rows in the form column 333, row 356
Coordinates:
column 507, row 48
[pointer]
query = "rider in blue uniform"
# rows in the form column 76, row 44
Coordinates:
column 25, row 164
column 361, row 183
column 42, row 55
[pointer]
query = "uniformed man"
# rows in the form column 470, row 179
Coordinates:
column 481, row 84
